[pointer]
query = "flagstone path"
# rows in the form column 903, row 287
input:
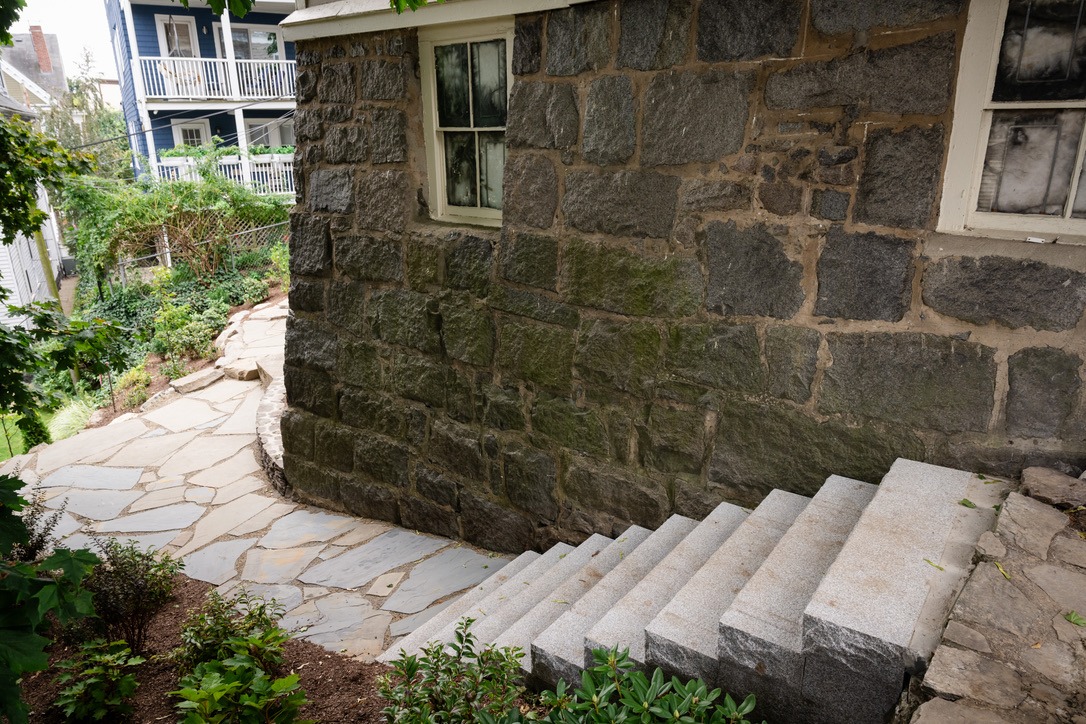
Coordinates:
column 187, row 477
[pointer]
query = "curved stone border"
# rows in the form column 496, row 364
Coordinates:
column 269, row 435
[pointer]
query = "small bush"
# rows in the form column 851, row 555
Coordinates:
column 130, row 587
column 254, row 290
column 280, row 259
column 40, row 523
column 214, row 630
column 98, row 683
column 132, row 385
column 70, row 418
column 33, row 429
column 453, row 684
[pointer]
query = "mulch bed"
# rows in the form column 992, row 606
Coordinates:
column 339, row 689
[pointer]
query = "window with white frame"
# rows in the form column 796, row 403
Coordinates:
column 177, row 36
column 1016, row 161
column 271, row 132
column 191, row 133
column 466, row 72
column 251, row 42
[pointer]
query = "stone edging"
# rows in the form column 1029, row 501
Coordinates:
column 269, row 435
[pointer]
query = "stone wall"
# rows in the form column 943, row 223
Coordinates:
column 715, row 276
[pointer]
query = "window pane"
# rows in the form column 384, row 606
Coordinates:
column 241, row 43
column 491, row 166
column 451, row 63
column 179, row 40
column 1042, row 53
column 192, row 135
column 263, row 45
column 488, row 83
column 460, row 189
column 259, row 134
column 286, row 133
column 1029, row 162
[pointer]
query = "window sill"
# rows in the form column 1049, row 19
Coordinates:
column 1065, row 253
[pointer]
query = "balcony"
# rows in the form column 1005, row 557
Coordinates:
column 210, row 79
column 264, row 174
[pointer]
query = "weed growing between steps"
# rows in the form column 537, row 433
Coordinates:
column 463, row 683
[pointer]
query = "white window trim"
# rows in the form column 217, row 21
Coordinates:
column 160, row 25
column 177, row 125
column 273, row 125
column 969, row 141
column 216, row 29
column 430, row 36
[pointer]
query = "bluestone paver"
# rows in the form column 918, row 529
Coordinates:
column 445, row 573
column 95, row 504
column 361, row 565
column 217, row 563
column 273, row 566
column 306, row 526
column 89, row 477
column 170, row 517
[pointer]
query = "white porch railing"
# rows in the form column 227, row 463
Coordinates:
column 271, row 174
column 210, row 79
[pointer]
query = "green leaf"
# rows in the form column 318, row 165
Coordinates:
column 967, row 503
column 933, row 564
column 1075, row 618
column 1002, row 570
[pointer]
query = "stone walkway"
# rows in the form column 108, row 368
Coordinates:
column 186, row 476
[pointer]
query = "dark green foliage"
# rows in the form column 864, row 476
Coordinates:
column 99, row 684
column 29, row 594
column 457, row 684
column 40, row 522
column 33, row 429
column 213, row 631
column 130, row 587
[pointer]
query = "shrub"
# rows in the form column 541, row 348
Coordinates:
column 33, row 429
column 236, row 688
column 457, row 684
column 40, row 522
column 130, row 587
column 280, row 259
column 98, row 683
column 70, row 418
column 214, row 630
column 254, row 290
column 132, row 385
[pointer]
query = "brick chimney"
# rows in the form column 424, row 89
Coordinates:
column 45, row 63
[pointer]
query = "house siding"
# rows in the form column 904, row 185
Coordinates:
column 716, row 276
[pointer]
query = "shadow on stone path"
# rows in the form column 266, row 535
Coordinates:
column 187, row 477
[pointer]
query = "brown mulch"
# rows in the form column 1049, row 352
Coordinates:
column 339, row 689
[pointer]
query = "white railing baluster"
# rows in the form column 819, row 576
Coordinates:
column 208, row 78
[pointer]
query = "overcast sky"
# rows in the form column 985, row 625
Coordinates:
column 78, row 24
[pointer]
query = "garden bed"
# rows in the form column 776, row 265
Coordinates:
column 339, row 688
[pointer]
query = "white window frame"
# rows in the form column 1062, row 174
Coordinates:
column 176, row 126
column 273, row 125
column 161, row 21
column 430, row 36
column 216, row 29
column 972, row 124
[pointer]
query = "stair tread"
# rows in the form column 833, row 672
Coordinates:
column 491, row 623
column 417, row 639
column 558, row 652
column 682, row 637
column 522, row 633
column 624, row 625
column 762, row 629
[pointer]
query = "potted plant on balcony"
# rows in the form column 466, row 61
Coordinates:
column 260, row 154
column 283, row 154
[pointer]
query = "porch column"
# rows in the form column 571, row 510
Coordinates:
column 235, row 85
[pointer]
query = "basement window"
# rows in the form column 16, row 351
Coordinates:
column 466, row 73
column 1016, row 162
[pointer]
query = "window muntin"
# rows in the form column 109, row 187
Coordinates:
column 466, row 83
column 191, row 133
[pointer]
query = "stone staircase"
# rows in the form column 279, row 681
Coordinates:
column 822, row 606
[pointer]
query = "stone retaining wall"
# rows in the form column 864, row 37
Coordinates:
column 715, row 276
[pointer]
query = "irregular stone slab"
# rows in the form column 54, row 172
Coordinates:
column 21, row 462
column 990, row 546
column 941, row 711
column 989, row 599
column 1029, row 524
column 223, row 518
column 268, row 516
column 447, row 572
column 170, row 517
column 66, row 525
column 224, row 390
column 183, row 414
column 154, row 541
column 276, row 566
column 199, row 495
column 164, row 483
column 212, row 424
column 558, row 652
column 360, row 566
column 159, row 399
column 244, row 418
column 331, row 552
column 1053, row 487
column 217, row 563
column 305, row 526
column 95, row 504
column 1055, row 661
column 960, row 674
column 1066, row 588
column 236, row 468
column 242, row 369
column 866, row 626
column 957, row 633
column 88, row 477
column 409, row 624
column 235, row 490
column 624, row 625
column 204, row 452
column 1069, row 550
column 290, row 597
column 522, row 570
column 87, row 443
column 527, row 629
column 198, row 380
column 384, row 584
column 348, row 624
column 148, row 453
column 228, row 406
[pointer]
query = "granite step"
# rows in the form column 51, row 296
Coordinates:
column 760, row 646
column 624, row 625
column 497, row 613
column 880, row 609
column 526, row 564
column 522, row 633
column 558, row 653
column 682, row 638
